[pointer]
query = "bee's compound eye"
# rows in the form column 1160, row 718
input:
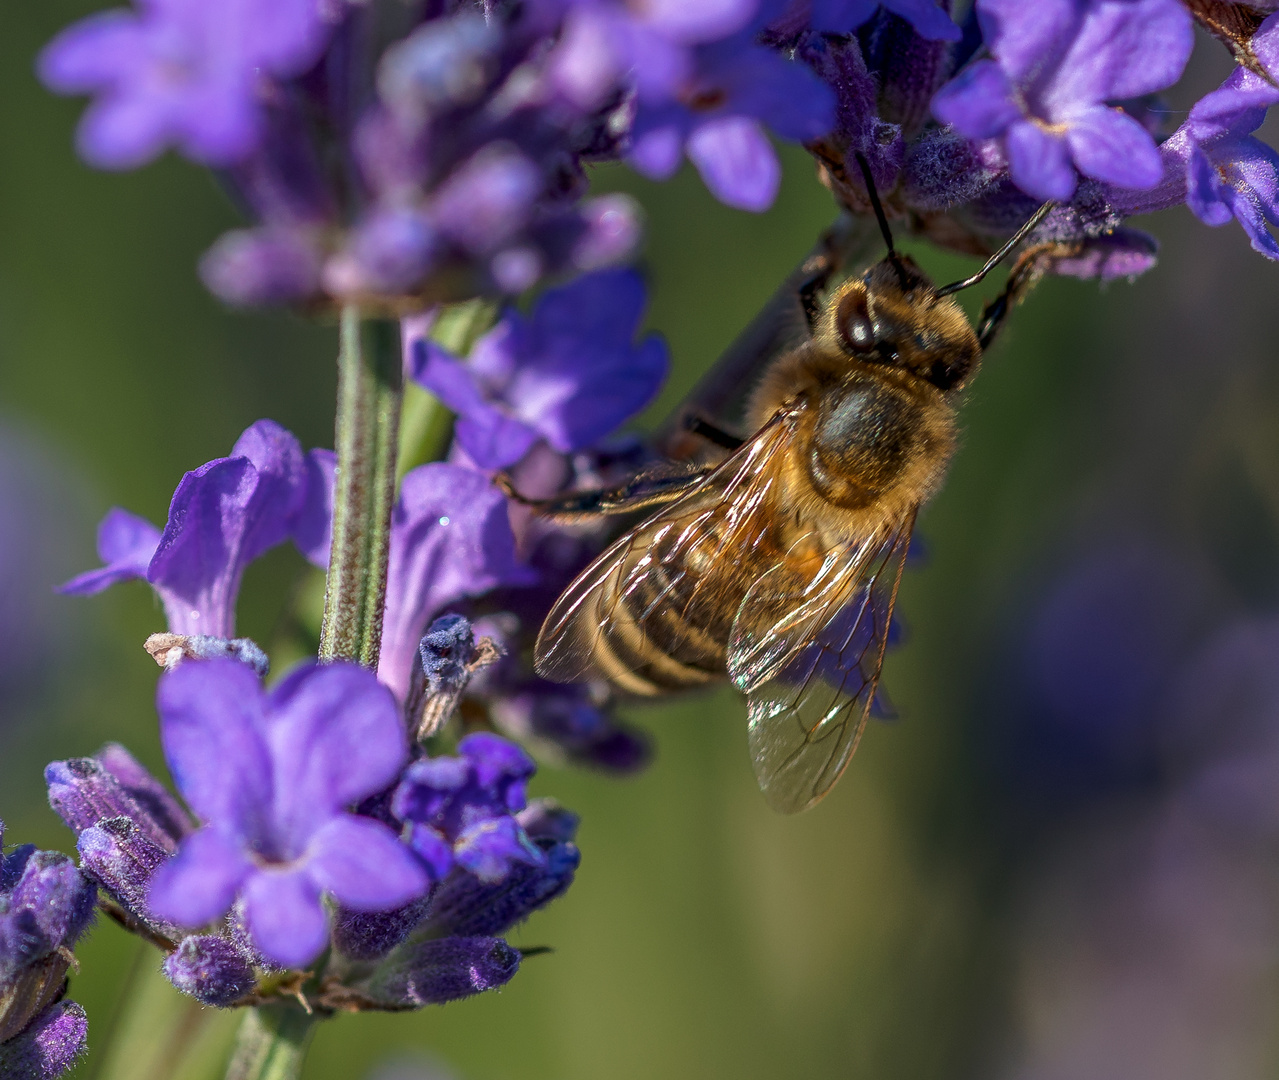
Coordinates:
column 854, row 323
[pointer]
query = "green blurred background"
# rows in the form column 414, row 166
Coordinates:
column 705, row 936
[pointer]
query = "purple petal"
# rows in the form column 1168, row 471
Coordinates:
column 87, row 55
column 488, row 849
column 706, row 20
column 1022, row 34
column 313, row 523
column 977, row 103
column 656, row 153
column 270, row 265
column 1124, row 49
column 1203, row 194
column 199, row 884
column 364, row 866
column 126, row 544
column 224, row 515
column 450, row 538
column 335, row 737
column 211, row 725
column 1039, row 162
column 487, row 198
column 736, row 162
column 1112, row 147
column 929, row 21
column 589, row 57
column 285, row 916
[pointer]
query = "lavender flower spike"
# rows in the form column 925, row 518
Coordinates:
column 270, row 774
column 570, row 373
column 49, row 1047
column 1056, row 65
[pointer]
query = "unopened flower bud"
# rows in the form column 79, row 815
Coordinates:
column 48, row 1047
column 122, row 858
column 433, row 972
column 210, row 969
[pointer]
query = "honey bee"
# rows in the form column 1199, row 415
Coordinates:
column 778, row 567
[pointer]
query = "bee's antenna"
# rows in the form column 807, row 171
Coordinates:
column 876, row 204
column 1002, row 253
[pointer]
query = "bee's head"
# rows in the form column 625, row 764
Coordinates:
column 892, row 315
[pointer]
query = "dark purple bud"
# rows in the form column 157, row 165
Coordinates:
column 262, row 266
column 210, row 969
column 433, row 972
column 446, row 62
column 122, row 858
column 83, row 792
column 169, row 650
column 149, row 793
column 1125, row 253
column 59, row 896
column 545, row 819
column 369, row 935
column 49, row 1047
column 463, row 904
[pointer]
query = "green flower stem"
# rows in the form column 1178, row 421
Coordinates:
column 370, row 391
column 272, row 1043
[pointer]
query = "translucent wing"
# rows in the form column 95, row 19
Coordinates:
column 629, row 610
column 807, row 652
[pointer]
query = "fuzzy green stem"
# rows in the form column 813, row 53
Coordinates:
column 272, row 1043
column 370, row 391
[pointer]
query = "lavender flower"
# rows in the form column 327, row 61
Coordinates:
column 181, row 73
column 223, row 516
column 460, row 810
column 450, row 539
column 570, row 373
column 1044, row 94
column 718, row 119
column 270, row 775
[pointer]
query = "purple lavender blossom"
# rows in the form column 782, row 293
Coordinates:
column 210, row 969
column 447, row 969
column 461, row 810
column 450, row 539
column 181, row 73
column 1055, row 66
column 570, row 373
column 50, row 1046
column 270, row 775
column 223, row 516
column 718, row 118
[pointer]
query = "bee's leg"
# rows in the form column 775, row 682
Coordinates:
column 640, row 493
column 1023, row 277
column 714, row 434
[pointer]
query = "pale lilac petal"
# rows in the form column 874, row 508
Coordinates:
column 706, row 20
column 211, row 725
column 87, row 55
column 737, row 162
column 494, row 440
column 285, row 917
column 977, row 103
column 1111, row 146
column 1039, row 162
column 335, row 737
column 199, row 884
column 362, row 864
column 281, row 487
column 1021, row 34
column 121, row 131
